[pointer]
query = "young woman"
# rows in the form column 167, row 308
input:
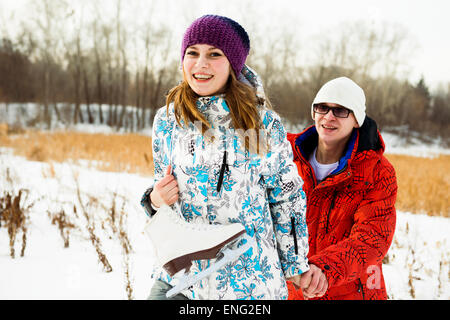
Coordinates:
column 351, row 190
column 208, row 162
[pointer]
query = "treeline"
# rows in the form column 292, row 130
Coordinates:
column 86, row 79
column 59, row 57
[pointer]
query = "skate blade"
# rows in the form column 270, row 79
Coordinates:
column 229, row 248
column 228, row 255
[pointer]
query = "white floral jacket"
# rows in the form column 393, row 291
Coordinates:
column 263, row 192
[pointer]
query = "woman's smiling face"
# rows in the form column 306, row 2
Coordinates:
column 206, row 69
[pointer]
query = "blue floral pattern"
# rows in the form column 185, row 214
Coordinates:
column 262, row 192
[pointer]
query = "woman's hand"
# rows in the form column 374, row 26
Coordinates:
column 165, row 191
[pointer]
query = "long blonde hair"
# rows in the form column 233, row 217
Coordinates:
column 241, row 100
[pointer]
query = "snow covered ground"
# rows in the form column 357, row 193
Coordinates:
column 50, row 271
column 413, row 147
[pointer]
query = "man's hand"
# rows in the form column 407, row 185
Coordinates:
column 295, row 280
column 313, row 283
column 165, row 191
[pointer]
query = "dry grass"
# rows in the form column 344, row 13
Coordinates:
column 14, row 216
column 3, row 129
column 108, row 152
column 423, row 183
column 90, row 227
column 61, row 219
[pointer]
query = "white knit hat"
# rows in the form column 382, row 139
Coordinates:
column 345, row 92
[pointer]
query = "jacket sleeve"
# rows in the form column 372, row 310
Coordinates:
column 161, row 136
column 371, row 234
column 287, row 202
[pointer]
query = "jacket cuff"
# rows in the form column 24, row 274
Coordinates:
column 146, row 203
column 326, row 267
column 299, row 268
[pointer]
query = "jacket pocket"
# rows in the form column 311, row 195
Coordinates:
column 348, row 291
column 294, row 235
column 361, row 288
column 223, row 168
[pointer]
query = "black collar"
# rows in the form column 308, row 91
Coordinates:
column 368, row 136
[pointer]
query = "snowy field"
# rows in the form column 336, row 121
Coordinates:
column 416, row 267
column 50, row 271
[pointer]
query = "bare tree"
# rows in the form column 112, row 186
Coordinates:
column 47, row 24
column 98, row 69
column 122, row 53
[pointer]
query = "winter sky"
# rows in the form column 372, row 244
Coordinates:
column 426, row 21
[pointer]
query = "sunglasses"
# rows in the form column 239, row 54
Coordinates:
column 338, row 112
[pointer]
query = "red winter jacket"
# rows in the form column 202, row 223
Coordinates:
column 350, row 214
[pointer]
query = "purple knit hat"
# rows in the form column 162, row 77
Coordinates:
column 220, row 32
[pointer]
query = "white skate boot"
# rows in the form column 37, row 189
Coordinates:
column 177, row 243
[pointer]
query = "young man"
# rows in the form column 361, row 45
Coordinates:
column 351, row 190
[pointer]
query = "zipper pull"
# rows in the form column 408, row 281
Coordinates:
column 222, row 171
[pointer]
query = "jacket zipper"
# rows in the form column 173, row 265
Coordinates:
column 222, row 171
column 360, row 288
column 294, row 234
column 339, row 172
column 333, row 200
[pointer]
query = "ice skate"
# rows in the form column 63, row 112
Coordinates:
column 177, row 243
